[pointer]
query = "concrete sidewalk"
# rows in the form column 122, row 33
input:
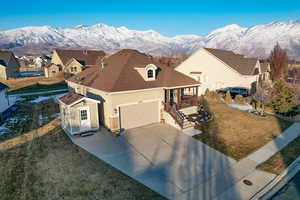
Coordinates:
column 259, row 178
column 277, row 144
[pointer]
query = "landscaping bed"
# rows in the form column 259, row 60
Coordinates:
column 238, row 133
column 281, row 160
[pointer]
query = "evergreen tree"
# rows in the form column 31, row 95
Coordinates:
column 228, row 98
column 284, row 98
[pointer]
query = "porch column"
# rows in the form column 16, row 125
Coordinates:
column 167, row 96
column 178, row 95
column 197, row 91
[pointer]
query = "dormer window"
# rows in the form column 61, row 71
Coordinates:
column 150, row 73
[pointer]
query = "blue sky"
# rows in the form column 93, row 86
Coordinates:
column 167, row 17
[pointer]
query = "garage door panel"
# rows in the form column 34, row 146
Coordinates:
column 139, row 114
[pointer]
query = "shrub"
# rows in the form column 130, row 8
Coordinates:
column 207, row 93
column 284, row 98
column 239, row 99
column 228, row 98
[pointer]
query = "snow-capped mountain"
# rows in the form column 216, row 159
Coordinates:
column 255, row 41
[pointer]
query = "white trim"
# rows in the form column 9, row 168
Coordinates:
column 84, row 98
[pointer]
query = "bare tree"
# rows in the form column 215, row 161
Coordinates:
column 263, row 95
column 278, row 60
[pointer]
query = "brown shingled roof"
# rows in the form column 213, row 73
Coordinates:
column 238, row 62
column 119, row 74
column 70, row 98
column 86, row 57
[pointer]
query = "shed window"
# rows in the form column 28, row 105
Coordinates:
column 83, row 115
column 150, row 73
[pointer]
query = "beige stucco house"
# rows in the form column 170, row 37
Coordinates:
column 217, row 69
column 72, row 61
column 9, row 65
column 129, row 90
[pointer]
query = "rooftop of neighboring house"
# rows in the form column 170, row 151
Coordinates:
column 86, row 57
column 264, row 66
column 241, row 64
column 119, row 73
column 3, row 86
column 5, row 57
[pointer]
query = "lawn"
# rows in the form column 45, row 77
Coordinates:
column 38, row 161
column 238, row 133
column 39, row 88
column 20, row 84
column 277, row 163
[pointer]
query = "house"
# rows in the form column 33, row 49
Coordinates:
column 53, row 70
column 265, row 74
column 217, row 69
column 9, row 65
column 4, row 101
column 74, row 61
column 128, row 90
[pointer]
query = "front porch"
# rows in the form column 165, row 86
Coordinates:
column 181, row 97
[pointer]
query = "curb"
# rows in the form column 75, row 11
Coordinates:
column 278, row 182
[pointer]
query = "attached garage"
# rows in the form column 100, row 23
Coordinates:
column 140, row 114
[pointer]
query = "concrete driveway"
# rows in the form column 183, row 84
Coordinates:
column 167, row 161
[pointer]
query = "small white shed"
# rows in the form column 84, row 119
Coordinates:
column 79, row 114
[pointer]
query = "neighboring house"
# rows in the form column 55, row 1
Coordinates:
column 217, row 69
column 129, row 90
column 294, row 64
column 4, row 101
column 265, row 74
column 9, row 65
column 53, row 70
column 75, row 61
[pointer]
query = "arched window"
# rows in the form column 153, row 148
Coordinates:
column 150, row 73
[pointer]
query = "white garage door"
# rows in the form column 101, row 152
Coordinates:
column 139, row 114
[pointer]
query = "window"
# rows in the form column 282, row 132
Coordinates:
column 83, row 115
column 73, row 69
column 150, row 73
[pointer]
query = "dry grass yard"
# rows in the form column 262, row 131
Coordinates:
column 38, row 161
column 238, row 133
column 277, row 163
column 18, row 83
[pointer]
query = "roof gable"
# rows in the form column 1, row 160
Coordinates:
column 241, row 64
column 85, row 57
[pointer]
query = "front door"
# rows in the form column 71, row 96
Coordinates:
column 85, row 121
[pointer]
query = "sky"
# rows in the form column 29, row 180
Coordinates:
column 169, row 17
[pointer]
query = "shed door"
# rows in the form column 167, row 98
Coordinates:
column 85, row 121
column 139, row 114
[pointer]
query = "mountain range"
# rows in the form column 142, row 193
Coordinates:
column 255, row 41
